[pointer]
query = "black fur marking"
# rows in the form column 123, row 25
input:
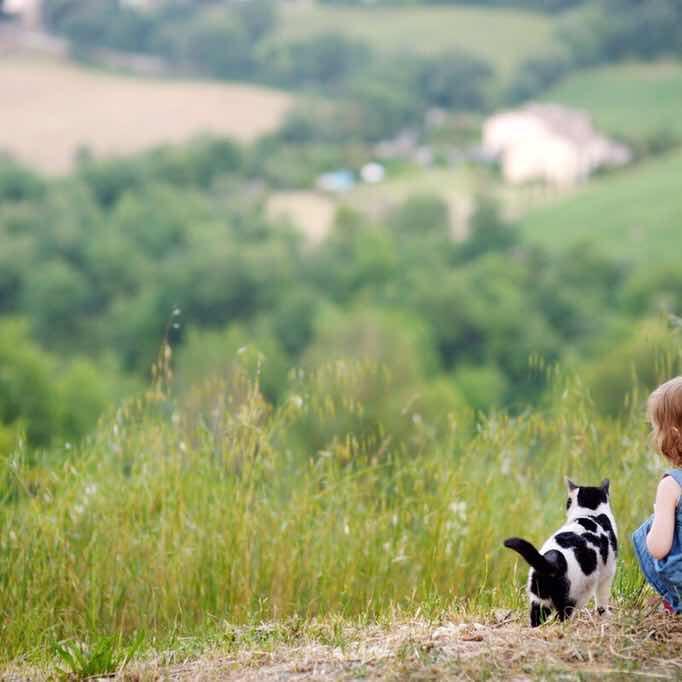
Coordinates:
column 567, row 610
column 569, row 501
column 539, row 614
column 604, row 522
column 587, row 524
column 592, row 538
column 557, row 560
column 586, row 557
column 554, row 588
column 532, row 556
column 600, row 542
column 591, row 498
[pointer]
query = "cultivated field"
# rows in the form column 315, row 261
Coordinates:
column 504, row 37
column 50, row 109
column 633, row 100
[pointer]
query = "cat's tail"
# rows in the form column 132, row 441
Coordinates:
column 531, row 555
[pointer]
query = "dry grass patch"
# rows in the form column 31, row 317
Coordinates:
column 625, row 645
column 51, row 108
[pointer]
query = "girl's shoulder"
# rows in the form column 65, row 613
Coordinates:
column 675, row 475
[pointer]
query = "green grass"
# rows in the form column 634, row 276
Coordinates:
column 181, row 521
column 634, row 214
column 504, row 37
column 630, row 100
column 104, row 657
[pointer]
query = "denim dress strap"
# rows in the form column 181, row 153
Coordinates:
column 676, row 474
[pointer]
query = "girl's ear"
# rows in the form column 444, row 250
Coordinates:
column 605, row 485
column 570, row 485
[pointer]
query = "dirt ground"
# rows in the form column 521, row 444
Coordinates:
column 642, row 645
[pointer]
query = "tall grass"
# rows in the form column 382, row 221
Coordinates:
column 175, row 518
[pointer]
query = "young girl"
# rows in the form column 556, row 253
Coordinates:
column 658, row 541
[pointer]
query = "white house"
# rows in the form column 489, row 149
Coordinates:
column 27, row 12
column 550, row 143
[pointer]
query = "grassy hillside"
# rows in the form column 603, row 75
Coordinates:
column 504, row 37
column 49, row 109
column 634, row 214
column 186, row 526
column 632, row 100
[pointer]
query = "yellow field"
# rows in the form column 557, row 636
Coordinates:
column 49, row 109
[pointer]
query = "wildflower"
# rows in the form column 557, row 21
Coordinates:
column 459, row 509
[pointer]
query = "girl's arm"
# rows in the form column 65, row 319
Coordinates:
column 660, row 537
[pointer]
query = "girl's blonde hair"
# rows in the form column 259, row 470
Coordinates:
column 664, row 410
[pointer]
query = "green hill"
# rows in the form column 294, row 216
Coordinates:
column 635, row 214
column 631, row 100
column 504, row 37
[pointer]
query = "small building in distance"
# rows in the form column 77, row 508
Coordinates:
column 550, row 143
column 28, row 13
column 336, row 182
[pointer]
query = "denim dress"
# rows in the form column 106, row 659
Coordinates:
column 665, row 575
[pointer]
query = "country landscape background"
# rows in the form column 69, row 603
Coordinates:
column 246, row 384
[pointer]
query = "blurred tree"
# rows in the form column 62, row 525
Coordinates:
column 26, row 391
column 323, row 61
column 483, row 387
column 620, row 377
column 454, row 80
column 217, row 47
column 57, row 295
column 425, row 216
column 259, row 17
column 18, row 183
column 488, row 232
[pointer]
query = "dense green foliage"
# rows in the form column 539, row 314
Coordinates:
column 99, row 261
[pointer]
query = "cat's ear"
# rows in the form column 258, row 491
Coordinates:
column 605, row 485
column 570, row 485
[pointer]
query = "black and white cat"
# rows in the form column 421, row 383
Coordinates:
column 578, row 561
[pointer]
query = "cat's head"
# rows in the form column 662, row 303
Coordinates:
column 584, row 499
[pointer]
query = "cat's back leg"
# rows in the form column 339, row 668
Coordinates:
column 539, row 614
column 604, row 590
